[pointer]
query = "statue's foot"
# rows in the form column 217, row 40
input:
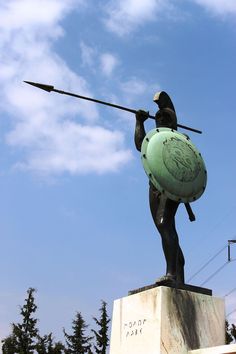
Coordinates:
column 180, row 280
column 167, row 280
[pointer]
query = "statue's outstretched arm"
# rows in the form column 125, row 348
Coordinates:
column 140, row 133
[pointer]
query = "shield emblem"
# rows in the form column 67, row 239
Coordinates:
column 174, row 165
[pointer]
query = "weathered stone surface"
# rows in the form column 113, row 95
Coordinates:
column 222, row 349
column 166, row 320
column 188, row 287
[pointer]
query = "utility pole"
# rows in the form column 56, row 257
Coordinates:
column 229, row 243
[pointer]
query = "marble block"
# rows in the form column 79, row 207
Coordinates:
column 222, row 349
column 166, row 320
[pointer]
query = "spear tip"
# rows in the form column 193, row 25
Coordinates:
column 44, row 87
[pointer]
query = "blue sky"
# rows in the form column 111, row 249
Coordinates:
column 75, row 221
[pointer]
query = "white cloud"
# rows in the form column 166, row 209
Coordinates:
column 29, row 14
column 124, row 16
column 87, row 54
column 94, row 59
column 79, row 149
column 219, row 7
column 108, row 63
column 41, row 122
column 135, row 87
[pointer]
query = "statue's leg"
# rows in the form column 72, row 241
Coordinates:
column 163, row 212
column 180, row 266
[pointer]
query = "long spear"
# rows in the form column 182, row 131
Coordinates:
column 50, row 88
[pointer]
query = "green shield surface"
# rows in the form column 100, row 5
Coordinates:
column 174, row 165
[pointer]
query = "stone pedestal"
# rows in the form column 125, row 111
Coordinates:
column 166, row 320
column 222, row 349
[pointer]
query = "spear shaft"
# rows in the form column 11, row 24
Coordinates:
column 50, row 88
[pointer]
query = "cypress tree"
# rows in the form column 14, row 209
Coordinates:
column 233, row 331
column 45, row 345
column 101, row 336
column 9, row 345
column 228, row 335
column 58, row 348
column 42, row 344
column 24, row 334
column 78, row 342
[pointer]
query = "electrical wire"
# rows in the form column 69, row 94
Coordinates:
column 230, row 292
column 216, row 272
column 208, row 262
column 230, row 313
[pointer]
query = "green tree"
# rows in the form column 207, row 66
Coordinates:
column 78, row 342
column 45, row 345
column 228, row 336
column 101, row 336
column 9, row 345
column 24, row 335
column 42, row 344
column 230, row 332
column 58, row 348
column 233, row 331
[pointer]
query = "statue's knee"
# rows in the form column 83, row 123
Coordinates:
column 162, row 225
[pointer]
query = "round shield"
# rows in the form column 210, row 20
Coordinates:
column 174, row 165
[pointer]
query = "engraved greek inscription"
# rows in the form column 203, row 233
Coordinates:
column 134, row 328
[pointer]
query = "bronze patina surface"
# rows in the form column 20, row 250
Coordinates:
column 176, row 173
column 174, row 165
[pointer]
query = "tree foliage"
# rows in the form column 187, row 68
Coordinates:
column 9, row 345
column 233, row 331
column 45, row 344
column 230, row 332
column 78, row 342
column 101, row 336
column 24, row 334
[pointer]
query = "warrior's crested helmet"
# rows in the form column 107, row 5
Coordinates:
column 166, row 116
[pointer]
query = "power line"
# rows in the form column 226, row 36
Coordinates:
column 230, row 313
column 230, row 292
column 208, row 262
column 213, row 257
column 216, row 272
column 211, row 231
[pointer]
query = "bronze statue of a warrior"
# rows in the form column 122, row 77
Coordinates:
column 162, row 205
